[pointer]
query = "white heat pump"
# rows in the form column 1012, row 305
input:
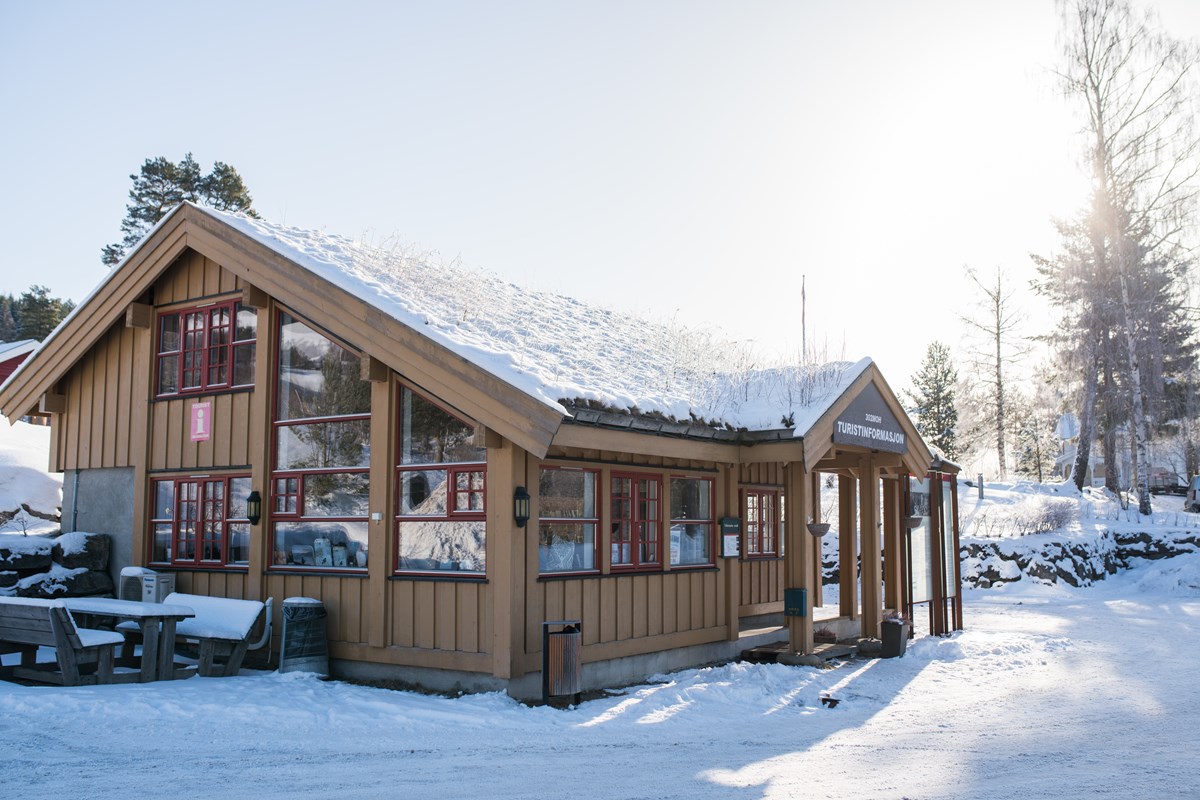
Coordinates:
column 131, row 582
column 156, row 587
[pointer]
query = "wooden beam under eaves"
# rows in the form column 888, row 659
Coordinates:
column 138, row 315
column 254, row 297
column 52, row 403
column 372, row 369
column 488, row 438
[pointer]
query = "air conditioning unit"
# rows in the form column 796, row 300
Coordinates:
column 157, row 586
column 131, row 582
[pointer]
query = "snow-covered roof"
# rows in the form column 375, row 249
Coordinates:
column 13, row 349
column 558, row 349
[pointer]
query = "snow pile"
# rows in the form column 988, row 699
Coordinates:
column 29, row 496
column 556, row 348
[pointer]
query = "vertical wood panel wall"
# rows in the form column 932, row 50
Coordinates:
column 762, row 579
column 628, row 614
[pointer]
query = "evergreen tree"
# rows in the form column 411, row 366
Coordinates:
column 8, row 323
column 37, row 313
column 161, row 185
column 933, row 399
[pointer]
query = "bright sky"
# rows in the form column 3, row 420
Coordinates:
column 676, row 159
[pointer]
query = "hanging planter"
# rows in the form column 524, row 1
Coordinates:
column 818, row 528
column 913, row 522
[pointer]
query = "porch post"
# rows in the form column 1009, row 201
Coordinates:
column 872, row 569
column 797, row 564
column 847, row 547
column 891, row 544
column 818, row 587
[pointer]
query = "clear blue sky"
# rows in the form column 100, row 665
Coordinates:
column 677, row 159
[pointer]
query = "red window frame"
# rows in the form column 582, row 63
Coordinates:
column 199, row 521
column 762, row 539
column 631, row 526
column 205, row 357
column 473, row 472
column 593, row 521
column 710, row 521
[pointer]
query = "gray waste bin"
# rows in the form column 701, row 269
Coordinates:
column 895, row 638
column 304, row 647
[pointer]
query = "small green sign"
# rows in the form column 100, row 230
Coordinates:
column 795, row 602
column 730, row 525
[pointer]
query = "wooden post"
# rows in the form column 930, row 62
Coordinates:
column 818, row 542
column 506, row 561
column 262, row 549
column 381, row 533
column 872, row 568
column 727, row 506
column 847, row 547
column 892, row 596
column 797, row 565
column 140, row 440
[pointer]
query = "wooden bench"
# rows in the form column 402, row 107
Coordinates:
column 27, row 624
column 221, row 628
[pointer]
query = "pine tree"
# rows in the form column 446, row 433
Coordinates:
column 37, row 313
column 161, row 185
column 8, row 323
column 932, row 397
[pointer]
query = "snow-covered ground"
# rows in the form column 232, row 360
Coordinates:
column 1050, row 692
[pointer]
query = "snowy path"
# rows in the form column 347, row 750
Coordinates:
column 1049, row 693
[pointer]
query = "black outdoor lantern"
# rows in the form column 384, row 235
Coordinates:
column 521, row 506
column 254, row 507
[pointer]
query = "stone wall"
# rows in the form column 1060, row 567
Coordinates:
column 69, row 565
column 1074, row 562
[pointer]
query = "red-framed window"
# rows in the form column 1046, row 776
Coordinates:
column 320, row 481
column 568, row 520
column 205, row 349
column 200, row 521
column 636, row 504
column 763, row 522
column 692, row 529
column 441, row 490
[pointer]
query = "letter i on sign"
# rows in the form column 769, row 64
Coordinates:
column 201, row 422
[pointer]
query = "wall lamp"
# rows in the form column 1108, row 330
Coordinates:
column 521, row 506
column 254, row 507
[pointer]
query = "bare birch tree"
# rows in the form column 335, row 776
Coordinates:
column 996, row 325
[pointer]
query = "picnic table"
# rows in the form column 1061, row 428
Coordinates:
column 157, row 622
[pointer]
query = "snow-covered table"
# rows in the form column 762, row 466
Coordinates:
column 157, row 621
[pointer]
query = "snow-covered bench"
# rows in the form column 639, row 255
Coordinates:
column 221, row 628
column 27, row 624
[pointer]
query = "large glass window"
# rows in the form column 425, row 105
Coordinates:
column 691, row 521
column 201, row 521
column 441, row 491
column 636, row 503
column 206, row 349
column 320, row 484
column 764, row 517
column 568, row 520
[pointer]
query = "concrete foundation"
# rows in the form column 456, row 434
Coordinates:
column 101, row 501
column 609, row 674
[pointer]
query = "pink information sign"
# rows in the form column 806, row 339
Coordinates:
column 201, row 422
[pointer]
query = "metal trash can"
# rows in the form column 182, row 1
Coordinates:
column 562, row 659
column 895, row 638
column 304, row 647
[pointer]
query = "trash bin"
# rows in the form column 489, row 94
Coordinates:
column 895, row 638
column 562, row 659
column 304, row 647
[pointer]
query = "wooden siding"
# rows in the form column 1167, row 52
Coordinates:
column 628, row 614
column 761, row 579
column 96, row 428
column 194, row 277
column 440, row 615
column 171, row 446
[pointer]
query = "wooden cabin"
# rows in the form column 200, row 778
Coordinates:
column 271, row 412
